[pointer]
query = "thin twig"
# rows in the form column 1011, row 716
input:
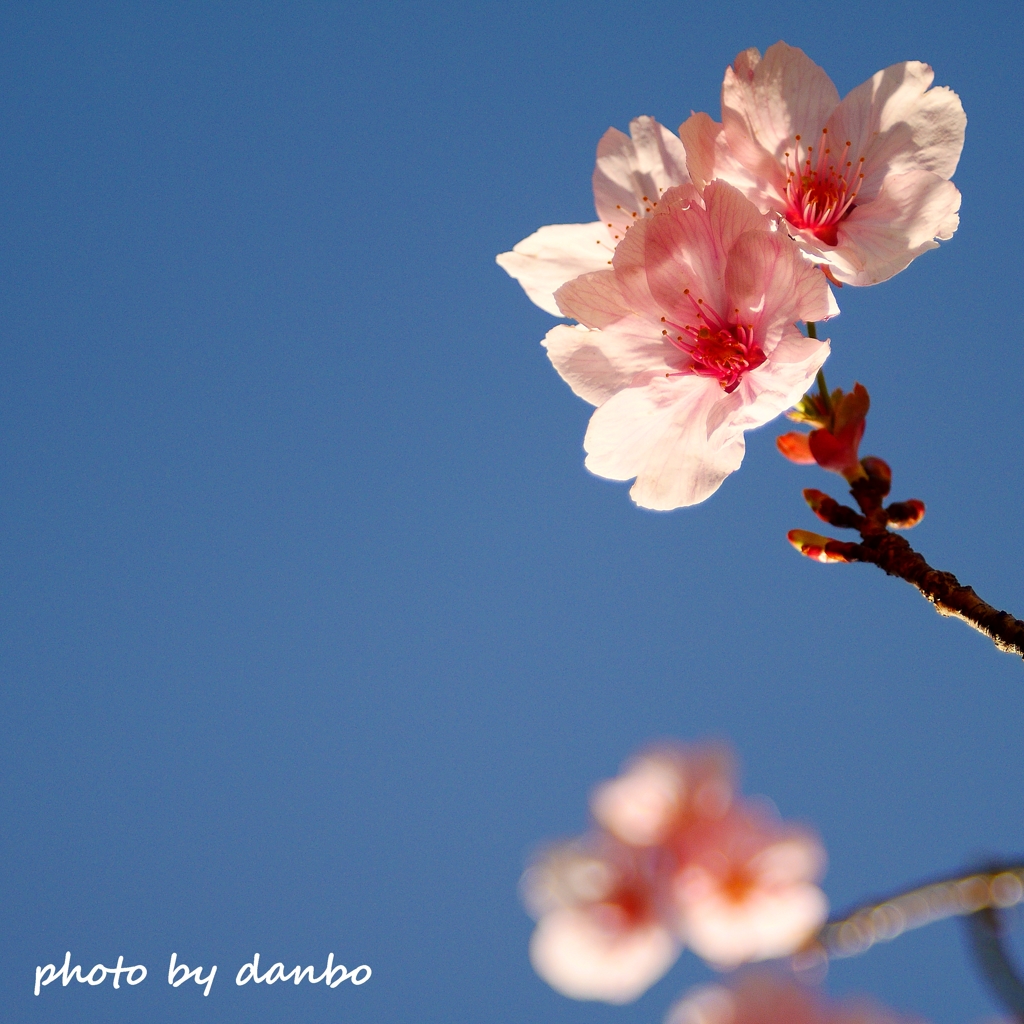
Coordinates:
column 891, row 553
column 896, row 557
column 858, row 929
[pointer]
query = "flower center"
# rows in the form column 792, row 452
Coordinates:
column 716, row 347
column 737, row 884
column 819, row 196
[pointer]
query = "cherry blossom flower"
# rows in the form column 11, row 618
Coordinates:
column 764, row 997
column 746, row 890
column 688, row 341
column 863, row 183
column 676, row 857
column 663, row 792
column 599, row 934
column 631, row 173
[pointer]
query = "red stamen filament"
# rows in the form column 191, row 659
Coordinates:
column 716, row 348
column 819, row 197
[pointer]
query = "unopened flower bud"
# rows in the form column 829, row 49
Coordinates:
column 828, row 510
column 905, row 514
column 878, row 470
column 838, row 451
column 819, row 502
column 821, row 549
column 795, row 447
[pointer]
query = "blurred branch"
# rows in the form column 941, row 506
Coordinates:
column 985, row 933
column 883, row 920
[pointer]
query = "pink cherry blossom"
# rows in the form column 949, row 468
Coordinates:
column 664, row 791
column 631, row 174
column 746, row 889
column 863, row 183
column 765, row 997
column 676, row 857
column 688, row 341
column 600, row 934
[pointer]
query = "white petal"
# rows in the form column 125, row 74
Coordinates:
column 641, row 805
column 632, row 173
column 880, row 238
column 799, row 858
column 898, row 125
column 577, row 957
column 768, row 923
column 597, row 364
column 657, row 431
column 557, row 253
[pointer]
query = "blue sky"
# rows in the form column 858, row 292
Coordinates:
column 314, row 624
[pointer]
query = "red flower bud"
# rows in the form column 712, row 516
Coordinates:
column 905, row 514
column 795, row 447
column 877, row 469
column 838, row 452
column 821, row 549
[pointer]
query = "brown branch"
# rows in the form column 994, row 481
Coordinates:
column 895, row 556
column 891, row 553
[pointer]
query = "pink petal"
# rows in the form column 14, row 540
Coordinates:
column 758, row 997
column 632, row 173
column 686, row 248
column 548, row 258
column 699, row 134
column 899, row 125
column 771, row 283
column 781, row 381
column 880, row 238
column 766, row 102
column 708, row 157
column 595, row 299
column 597, row 364
column 630, row 259
column 657, row 431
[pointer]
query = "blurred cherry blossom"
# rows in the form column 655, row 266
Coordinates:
column 664, row 792
column 863, row 183
column 600, row 931
column 675, row 856
column 765, row 997
column 747, row 888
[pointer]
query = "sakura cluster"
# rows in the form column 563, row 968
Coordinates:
column 675, row 858
column 713, row 244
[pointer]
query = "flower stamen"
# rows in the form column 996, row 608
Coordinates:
column 717, row 348
column 819, row 196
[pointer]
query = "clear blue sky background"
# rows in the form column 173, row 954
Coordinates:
column 314, row 624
